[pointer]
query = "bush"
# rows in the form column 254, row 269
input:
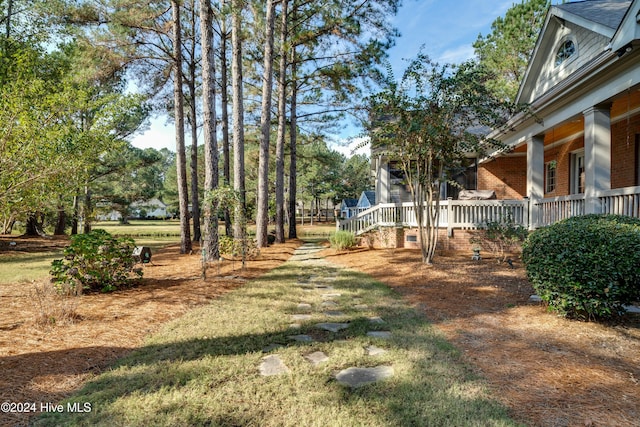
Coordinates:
column 342, row 240
column 95, row 261
column 500, row 237
column 586, row 267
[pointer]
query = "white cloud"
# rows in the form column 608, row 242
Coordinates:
column 456, row 55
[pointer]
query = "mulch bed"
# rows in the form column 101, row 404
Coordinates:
column 548, row 370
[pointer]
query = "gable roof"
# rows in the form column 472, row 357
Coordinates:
column 368, row 196
column 349, row 203
column 595, row 22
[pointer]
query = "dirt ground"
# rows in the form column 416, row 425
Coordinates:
column 549, row 371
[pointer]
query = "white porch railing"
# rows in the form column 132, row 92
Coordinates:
column 453, row 214
column 622, row 201
column 469, row 214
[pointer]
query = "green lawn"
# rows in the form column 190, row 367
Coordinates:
column 18, row 267
column 203, row 369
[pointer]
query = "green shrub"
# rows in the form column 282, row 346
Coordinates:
column 586, row 267
column 342, row 240
column 499, row 237
column 95, row 261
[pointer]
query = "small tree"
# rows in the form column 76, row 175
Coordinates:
column 430, row 122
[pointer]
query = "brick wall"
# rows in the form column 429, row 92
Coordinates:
column 507, row 176
column 624, row 157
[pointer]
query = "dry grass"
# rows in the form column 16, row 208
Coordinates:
column 550, row 371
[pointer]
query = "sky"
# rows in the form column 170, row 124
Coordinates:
column 444, row 29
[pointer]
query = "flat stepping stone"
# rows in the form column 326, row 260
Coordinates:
column 379, row 334
column 372, row 350
column 329, row 296
column 332, row 327
column 304, row 306
column 295, row 326
column 361, row 307
column 333, row 313
column 324, row 287
column 358, row 377
column 301, row 316
column 272, row 365
column 376, row 319
column 301, row 338
column 271, row 347
column 317, row 357
column 329, row 303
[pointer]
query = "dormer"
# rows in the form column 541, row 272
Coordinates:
column 573, row 35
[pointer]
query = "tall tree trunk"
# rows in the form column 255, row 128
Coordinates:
column 282, row 122
column 195, row 197
column 210, row 246
column 239, row 226
column 193, row 121
column 76, row 214
column 87, row 210
column 181, row 161
column 262, row 218
column 224, row 100
column 61, row 222
column 293, row 234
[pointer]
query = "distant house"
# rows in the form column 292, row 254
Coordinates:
column 348, row 208
column 367, row 199
column 152, row 208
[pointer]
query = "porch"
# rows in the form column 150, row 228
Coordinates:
column 471, row 214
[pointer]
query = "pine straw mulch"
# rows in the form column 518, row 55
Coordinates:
column 549, row 371
column 44, row 363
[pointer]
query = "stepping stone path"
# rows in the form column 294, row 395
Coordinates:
column 317, row 357
column 332, row 327
column 272, row 365
column 357, row 377
column 352, row 377
column 372, row 350
column 379, row 334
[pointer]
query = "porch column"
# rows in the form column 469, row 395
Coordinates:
column 535, row 176
column 383, row 183
column 597, row 156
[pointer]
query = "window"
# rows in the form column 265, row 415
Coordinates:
column 550, row 176
column 577, row 172
column 567, row 48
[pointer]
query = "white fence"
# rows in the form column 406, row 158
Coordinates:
column 453, row 214
column 469, row 214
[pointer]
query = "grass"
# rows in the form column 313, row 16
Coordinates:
column 25, row 266
column 203, row 369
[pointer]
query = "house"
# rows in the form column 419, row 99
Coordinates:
column 152, row 208
column 578, row 153
column 348, row 208
column 367, row 199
